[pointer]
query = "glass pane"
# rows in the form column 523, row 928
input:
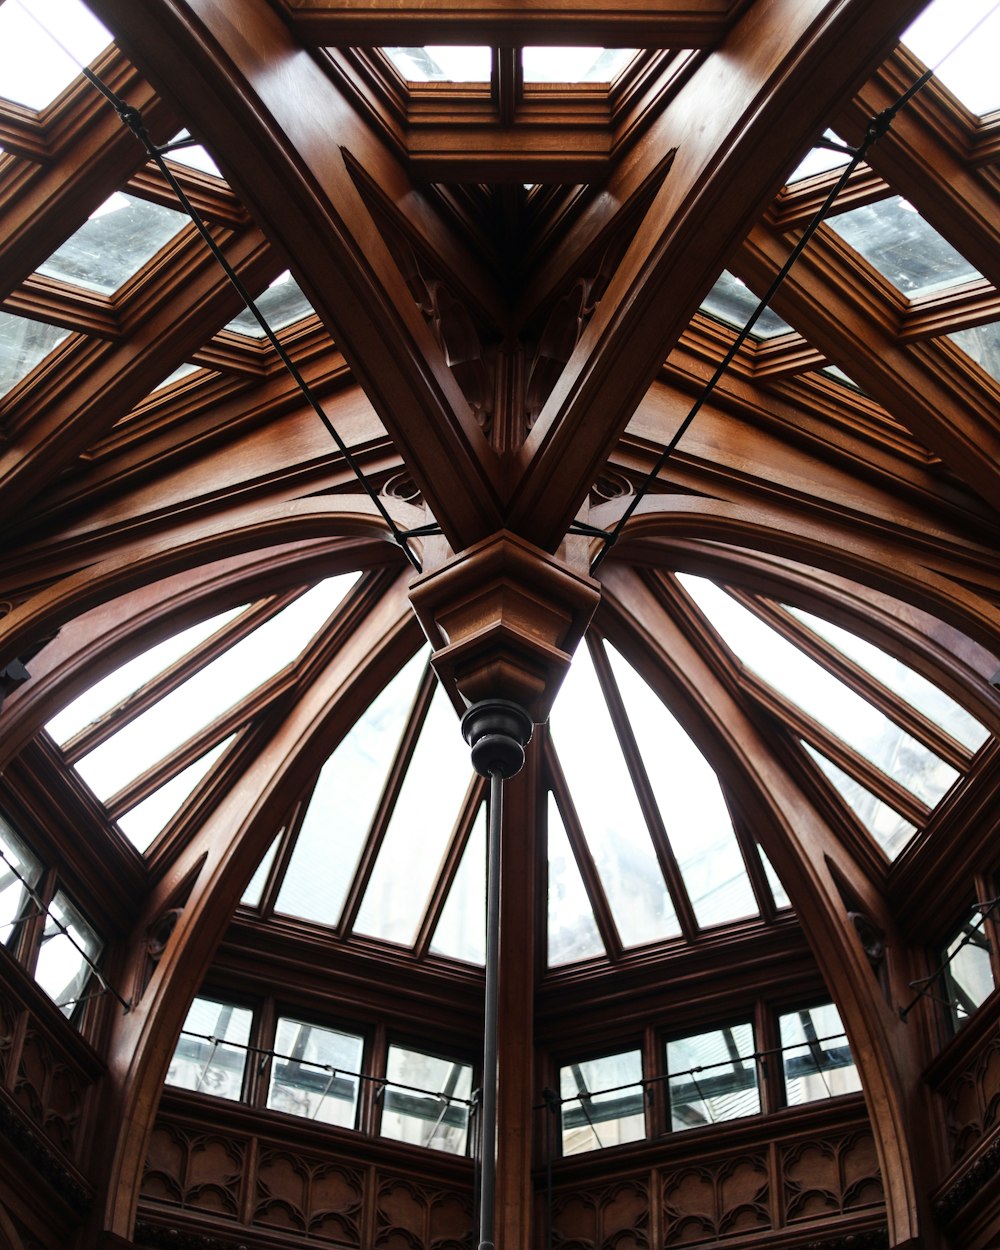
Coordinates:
column 255, row 889
column 968, row 976
column 68, row 942
column 903, row 681
column 211, row 691
column 182, row 371
column 893, row 237
column 114, row 689
column 114, row 244
column 20, row 872
column 314, row 1073
column 23, row 344
column 142, row 823
column 982, row 343
column 34, row 69
column 343, row 802
column 781, row 899
column 824, row 697
column 572, row 929
column 421, row 824
column 194, row 156
column 692, row 808
column 819, row 160
column 816, row 1056
column 713, row 1077
column 461, row 931
column 426, row 1100
column 883, row 822
column 609, row 811
column 211, row 1052
column 732, row 302
column 559, row 65
column 969, row 70
column 602, row 1102
column 443, row 64
column 281, row 305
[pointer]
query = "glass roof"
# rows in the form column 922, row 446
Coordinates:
column 443, row 63
column 193, row 157
column 982, row 343
column 893, row 237
column 819, row 160
column 34, row 68
column 572, row 931
column 114, row 243
column 24, row 343
column 282, row 304
column 732, row 302
column 142, row 823
column 556, row 65
column 890, row 830
column 967, row 68
column 461, row 931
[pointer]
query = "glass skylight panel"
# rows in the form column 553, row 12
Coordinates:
column 572, row 930
column 691, row 804
column 419, row 829
column 343, row 802
column 34, row 69
column 903, row 681
column 982, row 343
column 883, row 822
column 114, row 243
column 461, row 931
column 968, row 973
column 182, row 371
column 211, row 1053
column 255, row 889
column 211, row 691
column 426, row 1100
column 558, row 65
column 602, row 1102
column 193, row 156
column 441, row 63
column 822, row 696
column 112, row 690
column 816, row 1057
column 778, row 892
column 731, row 301
column 281, row 305
column 819, row 160
column 608, row 809
column 23, row 345
column 713, row 1077
column 20, row 872
column 68, row 942
column 142, row 823
column 894, row 239
column 967, row 69
column 314, row 1073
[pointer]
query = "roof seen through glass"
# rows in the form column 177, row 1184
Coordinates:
column 443, row 63
column 24, row 343
column 556, row 65
column 34, row 68
column 732, row 302
column 982, row 343
column 281, row 305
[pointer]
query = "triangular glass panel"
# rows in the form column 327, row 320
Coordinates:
column 281, row 305
column 461, row 931
column 886, row 826
column 778, row 893
column 572, row 930
column 255, row 887
column 142, row 823
column 732, row 302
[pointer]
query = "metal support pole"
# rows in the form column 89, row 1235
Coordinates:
column 497, row 731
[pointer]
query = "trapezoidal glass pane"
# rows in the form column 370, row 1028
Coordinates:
column 461, row 931
column 142, row 823
column 602, row 1102
column 982, row 344
column 609, row 810
column 114, row 244
column 713, row 1077
column 958, row 40
column 281, row 305
column 426, row 1100
column 23, row 345
column 420, row 827
column 559, row 65
column 34, row 68
column 968, row 972
column 816, row 1056
column 732, row 302
column 211, row 1052
column 111, row 691
column 314, row 1073
column 819, row 160
column 822, row 696
column 572, row 930
column 343, row 802
column 884, row 823
column 440, row 63
column 894, row 239
column 692, row 808
column 211, row 691
column 907, row 684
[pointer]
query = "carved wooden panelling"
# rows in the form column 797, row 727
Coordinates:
column 612, row 1217
column 51, row 1091
column 972, row 1099
column 410, row 1216
column 8, row 1026
column 308, row 1195
column 710, row 1200
column 192, row 1169
column 830, row 1176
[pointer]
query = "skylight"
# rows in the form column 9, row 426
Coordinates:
column 34, row 69
column 819, row 160
column 571, row 65
column 443, row 63
column 282, row 304
column 572, row 932
column 193, row 156
column 890, row 830
column 982, row 343
column 461, row 931
column 23, row 345
column 969, row 69
column 893, row 237
column 113, row 245
column 142, row 823
column 732, row 302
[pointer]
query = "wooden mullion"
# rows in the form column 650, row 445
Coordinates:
column 644, row 792
column 457, row 845
column 387, row 802
column 61, row 303
column 585, row 862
